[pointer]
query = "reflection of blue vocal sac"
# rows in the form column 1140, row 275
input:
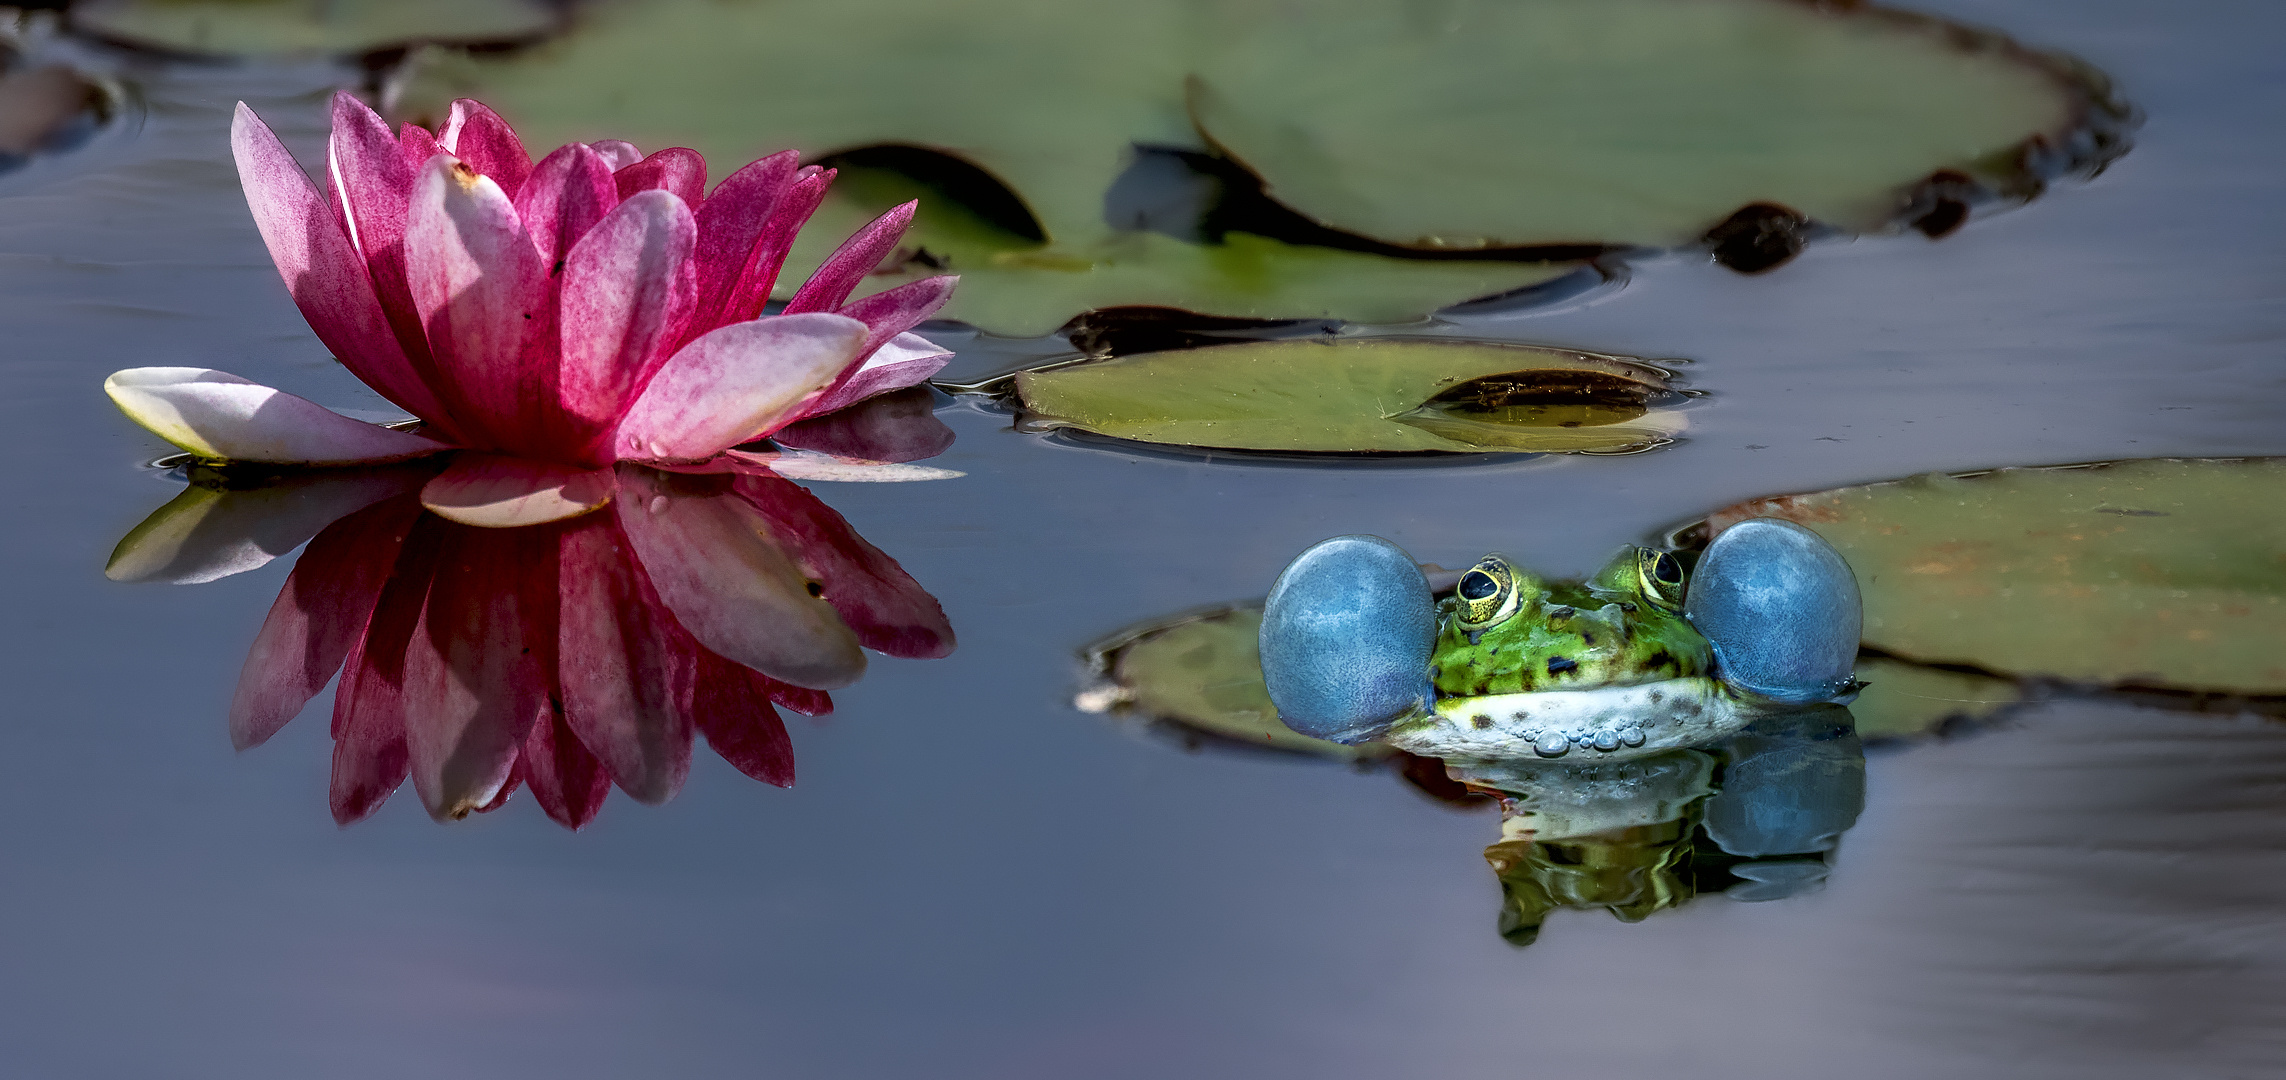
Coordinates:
column 1752, row 816
column 1646, row 656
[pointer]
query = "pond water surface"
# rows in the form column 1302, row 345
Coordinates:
column 974, row 879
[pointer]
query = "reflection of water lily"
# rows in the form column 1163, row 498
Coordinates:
column 562, row 657
column 594, row 308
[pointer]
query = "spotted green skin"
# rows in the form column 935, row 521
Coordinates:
column 1569, row 636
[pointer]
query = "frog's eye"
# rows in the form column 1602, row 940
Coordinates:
column 1661, row 577
column 1486, row 594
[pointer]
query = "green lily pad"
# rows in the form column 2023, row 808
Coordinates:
column 2161, row 574
column 338, row 27
column 1434, row 125
column 1385, row 395
column 1904, row 701
column 1202, row 674
column 1022, row 287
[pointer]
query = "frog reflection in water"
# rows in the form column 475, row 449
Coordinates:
column 1640, row 658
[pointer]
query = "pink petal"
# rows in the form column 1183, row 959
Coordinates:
column 566, row 780
column 715, row 566
column 905, row 360
column 484, row 142
column 898, row 426
column 373, row 182
column 890, row 611
column 480, row 667
column 481, row 291
column 888, row 314
column 369, row 755
column 323, row 272
column 515, row 780
column 856, row 257
column 675, row 169
column 768, row 256
column 494, row 492
column 735, row 384
column 566, row 195
column 624, row 682
column 729, row 222
column 417, row 146
column 731, row 704
column 318, row 616
column 221, row 417
column 617, row 153
column 628, row 291
column 801, row 699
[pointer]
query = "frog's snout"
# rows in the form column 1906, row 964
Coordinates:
column 1781, row 609
column 1346, row 636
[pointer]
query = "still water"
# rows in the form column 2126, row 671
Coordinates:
column 974, row 879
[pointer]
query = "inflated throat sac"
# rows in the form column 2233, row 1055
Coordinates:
column 1781, row 608
column 1346, row 637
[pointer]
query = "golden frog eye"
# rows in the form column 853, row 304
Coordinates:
column 1486, row 594
column 1661, row 577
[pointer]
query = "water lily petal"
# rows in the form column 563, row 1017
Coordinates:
column 628, row 290
column 567, row 781
column 322, row 611
column 889, row 611
column 220, row 416
column 857, row 256
column 768, row 256
column 482, row 292
column 1346, row 637
column 716, row 566
column 481, row 139
column 902, row 361
column 618, row 153
column 735, row 384
column 731, row 704
column 480, row 667
column 495, row 492
column 417, row 145
column 801, row 699
column 898, row 426
column 625, row 684
column 321, row 269
column 208, row 533
column 568, row 192
column 676, row 169
column 807, row 465
column 729, row 222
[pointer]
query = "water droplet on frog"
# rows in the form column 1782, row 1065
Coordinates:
column 1607, row 741
column 1553, row 744
column 1632, row 736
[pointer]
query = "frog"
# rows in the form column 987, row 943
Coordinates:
column 1644, row 656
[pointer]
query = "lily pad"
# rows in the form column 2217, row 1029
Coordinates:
column 2159, row 574
column 1438, row 126
column 340, row 27
column 1385, row 395
column 1202, row 674
column 1904, row 701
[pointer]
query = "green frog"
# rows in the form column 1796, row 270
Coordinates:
column 1527, row 666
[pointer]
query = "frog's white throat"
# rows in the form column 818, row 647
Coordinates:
column 1607, row 723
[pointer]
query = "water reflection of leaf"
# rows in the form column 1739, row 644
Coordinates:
column 238, row 27
column 564, row 657
column 1390, row 395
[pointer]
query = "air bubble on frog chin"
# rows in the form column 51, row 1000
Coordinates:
column 1607, row 741
column 1632, row 736
column 1553, row 744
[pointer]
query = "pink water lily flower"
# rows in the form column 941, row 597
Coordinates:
column 597, row 307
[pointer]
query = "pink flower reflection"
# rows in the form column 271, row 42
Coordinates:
column 563, row 658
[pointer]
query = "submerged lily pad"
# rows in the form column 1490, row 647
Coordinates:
column 1387, row 395
column 2161, row 574
column 1438, row 126
column 241, row 27
column 1202, row 673
column 1904, row 701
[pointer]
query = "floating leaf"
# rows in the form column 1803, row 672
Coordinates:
column 237, row 27
column 2163, row 574
column 1438, row 126
column 1385, row 395
column 1202, row 673
column 1903, row 701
